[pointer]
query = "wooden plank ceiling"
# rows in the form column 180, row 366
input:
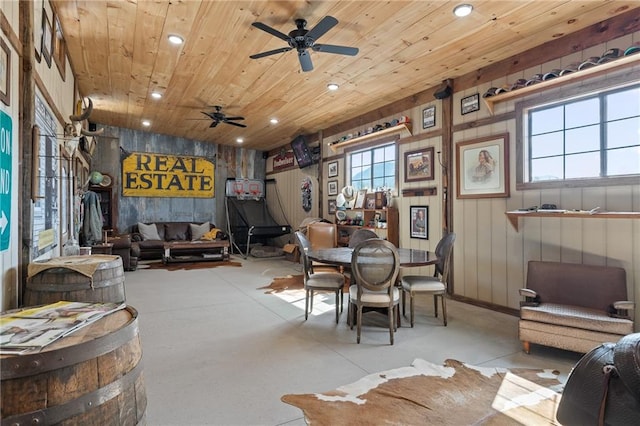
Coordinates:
column 120, row 54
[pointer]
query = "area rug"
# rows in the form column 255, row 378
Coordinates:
column 182, row 266
column 426, row 393
column 291, row 283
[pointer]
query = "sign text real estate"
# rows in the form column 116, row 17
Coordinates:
column 159, row 175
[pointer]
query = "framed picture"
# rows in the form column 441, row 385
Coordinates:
column 370, row 201
column 333, row 169
column 418, row 165
column 59, row 49
column 332, row 187
column 362, row 195
column 483, row 167
column 429, row 117
column 470, row 104
column 47, row 38
column 419, row 220
column 5, row 73
column 331, row 206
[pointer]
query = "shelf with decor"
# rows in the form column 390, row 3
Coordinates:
column 404, row 129
column 384, row 222
column 568, row 78
column 513, row 216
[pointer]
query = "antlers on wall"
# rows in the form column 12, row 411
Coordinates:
column 76, row 122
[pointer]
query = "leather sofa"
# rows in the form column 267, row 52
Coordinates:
column 128, row 250
column 169, row 231
column 573, row 306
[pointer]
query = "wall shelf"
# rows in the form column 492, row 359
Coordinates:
column 572, row 77
column 513, row 216
column 404, row 129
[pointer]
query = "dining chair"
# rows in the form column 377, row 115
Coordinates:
column 318, row 281
column 359, row 235
column 322, row 235
column 375, row 265
column 436, row 285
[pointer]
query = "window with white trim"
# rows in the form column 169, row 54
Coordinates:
column 373, row 168
column 590, row 137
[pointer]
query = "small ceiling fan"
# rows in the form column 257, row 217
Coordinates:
column 302, row 39
column 219, row 117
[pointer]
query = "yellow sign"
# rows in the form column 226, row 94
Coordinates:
column 159, row 175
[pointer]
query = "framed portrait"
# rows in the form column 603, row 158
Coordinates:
column 332, row 187
column 333, row 169
column 419, row 220
column 418, row 165
column 331, row 206
column 360, row 199
column 483, row 167
column 370, row 201
column 470, row 104
column 429, row 117
column 46, row 47
column 5, row 73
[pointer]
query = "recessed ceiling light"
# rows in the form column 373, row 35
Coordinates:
column 274, row 121
column 462, row 10
column 332, row 86
column 239, row 140
column 176, row 39
column 146, row 123
column 156, row 95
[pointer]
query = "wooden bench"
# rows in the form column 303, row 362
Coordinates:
column 573, row 306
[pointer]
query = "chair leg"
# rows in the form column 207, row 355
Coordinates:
column 398, row 319
column 444, row 309
column 306, row 305
column 391, row 324
column 411, row 307
column 337, row 307
column 404, row 313
column 311, row 302
column 435, row 304
column 359, row 321
column 526, row 346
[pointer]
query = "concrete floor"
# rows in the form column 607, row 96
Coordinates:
column 220, row 351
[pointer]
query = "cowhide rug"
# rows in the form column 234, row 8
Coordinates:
column 430, row 394
column 181, row 266
column 291, row 282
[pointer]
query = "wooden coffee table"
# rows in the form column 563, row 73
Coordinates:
column 208, row 251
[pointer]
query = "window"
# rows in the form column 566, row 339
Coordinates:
column 373, row 168
column 591, row 137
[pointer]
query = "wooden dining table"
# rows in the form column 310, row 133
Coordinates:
column 341, row 256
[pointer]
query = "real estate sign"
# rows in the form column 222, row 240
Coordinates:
column 158, row 175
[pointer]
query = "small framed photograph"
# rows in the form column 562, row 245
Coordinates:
column 370, row 202
column 331, row 207
column 429, row 117
column 46, row 48
column 332, row 187
column 470, row 104
column 419, row 220
column 333, row 169
column 418, row 165
column 360, row 199
column 5, row 73
column 483, row 169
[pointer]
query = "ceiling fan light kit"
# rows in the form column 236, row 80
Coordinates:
column 303, row 39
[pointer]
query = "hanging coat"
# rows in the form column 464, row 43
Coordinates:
column 92, row 220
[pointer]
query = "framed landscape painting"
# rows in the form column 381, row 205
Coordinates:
column 418, row 165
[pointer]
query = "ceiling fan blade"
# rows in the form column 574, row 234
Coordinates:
column 305, row 60
column 271, row 52
column 236, row 124
column 271, row 31
column 339, row 50
column 322, row 27
column 234, row 118
column 214, row 124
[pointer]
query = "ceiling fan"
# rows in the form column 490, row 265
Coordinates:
column 302, row 39
column 219, row 117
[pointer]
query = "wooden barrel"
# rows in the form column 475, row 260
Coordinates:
column 92, row 376
column 55, row 284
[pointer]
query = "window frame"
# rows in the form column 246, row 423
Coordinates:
column 393, row 140
column 559, row 95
